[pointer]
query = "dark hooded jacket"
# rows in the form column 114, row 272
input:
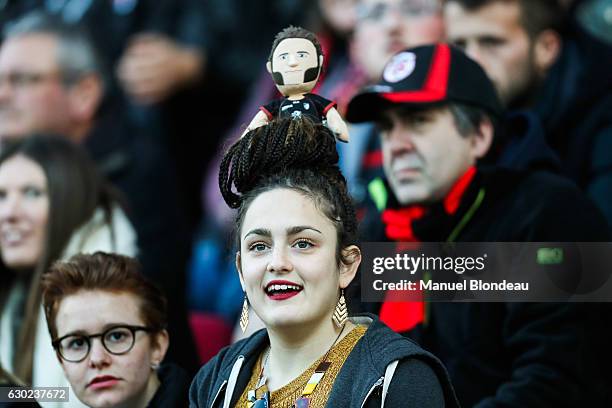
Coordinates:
column 575, row 106
column 518, row 354
column 418, row 379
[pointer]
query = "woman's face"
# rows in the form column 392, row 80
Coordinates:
column 287, row 260
column 103, row 379
column 24, row 212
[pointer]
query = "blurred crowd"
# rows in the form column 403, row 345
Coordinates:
column 141, row 98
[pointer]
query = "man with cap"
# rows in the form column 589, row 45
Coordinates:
column 436, row 110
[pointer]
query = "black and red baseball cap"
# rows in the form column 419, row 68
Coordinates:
column 426, row 76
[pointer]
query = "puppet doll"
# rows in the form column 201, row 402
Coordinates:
column 295, row 65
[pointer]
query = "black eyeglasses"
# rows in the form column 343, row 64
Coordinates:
column 116, row 340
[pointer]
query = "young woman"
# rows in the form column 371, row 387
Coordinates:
column 53, row 204
column 108, row 328
column 296, row 234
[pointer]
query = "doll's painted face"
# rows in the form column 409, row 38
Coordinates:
column 295, row 65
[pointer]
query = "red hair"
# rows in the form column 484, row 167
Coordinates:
column 105, row 272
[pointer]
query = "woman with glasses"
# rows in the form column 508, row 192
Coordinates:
column 108, row 328
column 296, row 236
column 53, row 204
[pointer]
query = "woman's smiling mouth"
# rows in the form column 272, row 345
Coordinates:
column 281, row 289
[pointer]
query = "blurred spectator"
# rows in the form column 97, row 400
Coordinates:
column 53, row 204
column 104, row 296
column 383, row 27
column 52, row 81
column 516, row 42
column 561, row 75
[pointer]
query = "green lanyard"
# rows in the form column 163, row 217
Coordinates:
column 453, row 236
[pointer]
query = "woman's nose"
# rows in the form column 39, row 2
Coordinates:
column 279, row 261
column 98, row 355
column 10, row 206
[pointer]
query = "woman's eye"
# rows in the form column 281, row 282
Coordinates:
column 303, row 244
column 76, row 343
column 32, row 192
column 258, row 247
column 116, row 336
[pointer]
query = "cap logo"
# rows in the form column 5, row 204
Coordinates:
column 400, row 67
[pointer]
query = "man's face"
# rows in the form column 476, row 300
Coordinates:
column 295, row 60
column 494, row 37
column 385, row 27
column 32, row 96
column 423, row 153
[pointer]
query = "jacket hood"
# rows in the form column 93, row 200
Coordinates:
column 371, row 356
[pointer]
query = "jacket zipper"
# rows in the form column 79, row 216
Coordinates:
column 377, row 384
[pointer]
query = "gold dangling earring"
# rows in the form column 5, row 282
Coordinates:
column 244, row 316
column 340, row 313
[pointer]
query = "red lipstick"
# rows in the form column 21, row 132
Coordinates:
column 282, row 289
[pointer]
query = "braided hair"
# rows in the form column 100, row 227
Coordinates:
column 295, row 154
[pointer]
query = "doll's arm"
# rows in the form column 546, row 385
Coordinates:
column 261, row 119
column 336, row 124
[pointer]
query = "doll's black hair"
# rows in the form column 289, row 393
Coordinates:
column 296, row 32
column 295, row 154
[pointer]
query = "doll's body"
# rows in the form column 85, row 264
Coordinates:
column 314, row 106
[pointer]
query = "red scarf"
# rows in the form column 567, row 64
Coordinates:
column 400, row 315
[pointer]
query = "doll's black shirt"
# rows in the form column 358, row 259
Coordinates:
column 312, row 105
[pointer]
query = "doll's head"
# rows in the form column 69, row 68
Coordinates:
column 295, row 61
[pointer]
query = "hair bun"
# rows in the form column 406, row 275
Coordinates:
column 280, row 145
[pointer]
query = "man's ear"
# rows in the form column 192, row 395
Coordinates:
column 546, row 50
column 239, row 269
column 482, row 139
column 351, row 259
column 85, row 98
column 269, row 66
